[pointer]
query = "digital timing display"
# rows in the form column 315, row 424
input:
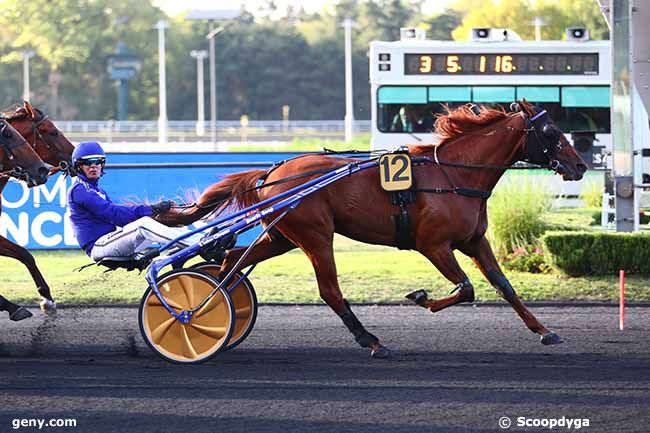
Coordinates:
column 501, row 64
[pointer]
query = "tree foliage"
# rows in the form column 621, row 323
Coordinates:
column 518, row 15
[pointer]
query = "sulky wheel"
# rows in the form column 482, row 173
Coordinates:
column 209, row 329
column 244, row 299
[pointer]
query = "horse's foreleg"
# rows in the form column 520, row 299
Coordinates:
column 9, row 249
column 482, row 255
column 443, row 259
column 16, row 312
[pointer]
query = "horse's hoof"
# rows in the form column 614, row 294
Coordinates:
column 419, row 297
column 381, row 353
column 20, row 314
column 48, row 306
column 551, row 338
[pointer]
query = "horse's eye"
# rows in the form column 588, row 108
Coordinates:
column 54, row 133
column 6, row 133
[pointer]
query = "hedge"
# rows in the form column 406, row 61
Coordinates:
column 598, row 253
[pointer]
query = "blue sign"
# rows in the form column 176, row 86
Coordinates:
column 36, row 217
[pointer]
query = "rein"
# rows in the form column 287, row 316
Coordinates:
column 467, row 192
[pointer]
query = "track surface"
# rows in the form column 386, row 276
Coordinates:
column 459, row 370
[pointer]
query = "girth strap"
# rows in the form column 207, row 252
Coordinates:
column 402, row 220
column 467, row 192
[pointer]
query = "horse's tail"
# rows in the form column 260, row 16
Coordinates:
column 236, row 190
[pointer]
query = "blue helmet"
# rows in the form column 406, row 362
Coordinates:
column 87, row 150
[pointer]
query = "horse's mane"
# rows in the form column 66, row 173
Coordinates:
column 454, row 123
column 17, row 112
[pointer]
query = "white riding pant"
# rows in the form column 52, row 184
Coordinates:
column 137, row 236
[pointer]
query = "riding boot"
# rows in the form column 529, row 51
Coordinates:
column 216, row 251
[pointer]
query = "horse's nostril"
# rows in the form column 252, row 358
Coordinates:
column 582, row 168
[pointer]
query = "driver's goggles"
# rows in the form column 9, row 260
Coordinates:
column 93, row 161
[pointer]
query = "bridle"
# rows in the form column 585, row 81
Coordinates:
column 36, row 134
column 544, row 144
column 540, row 148
column 8, row 147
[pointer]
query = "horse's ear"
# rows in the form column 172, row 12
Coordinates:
column 515, row 107
column 29, row 109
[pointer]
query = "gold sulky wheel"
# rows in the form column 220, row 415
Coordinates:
column 209, row 329
column 244, row 300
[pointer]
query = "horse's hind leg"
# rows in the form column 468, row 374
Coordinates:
column 481, row 252
column 16, row 312
column 9, row 249
column 317, row 243
column 266, row 248
column 443, row 258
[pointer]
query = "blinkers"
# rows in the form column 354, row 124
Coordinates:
column 543, row 145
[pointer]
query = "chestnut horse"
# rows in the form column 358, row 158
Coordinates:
column 19, row 160
column 55, row 149
column 452, row 182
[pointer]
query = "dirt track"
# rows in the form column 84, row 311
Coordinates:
column 300, row 371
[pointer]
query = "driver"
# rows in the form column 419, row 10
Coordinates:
column 105, row 229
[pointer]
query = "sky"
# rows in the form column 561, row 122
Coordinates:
column 174, row 7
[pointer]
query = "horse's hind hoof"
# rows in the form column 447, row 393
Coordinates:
column 20, row 314
column 381, row 353
column 551, row 338
column 419, row 297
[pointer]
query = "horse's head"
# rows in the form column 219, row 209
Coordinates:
column 546, row 144
column 51, row 145
column 18, row 157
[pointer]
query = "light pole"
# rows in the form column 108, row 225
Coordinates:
column 349, row 109
column 26, row 56
column 199, row 55
column 213, row 83
column 538, row 22
column 213, row 15
column 162, row 90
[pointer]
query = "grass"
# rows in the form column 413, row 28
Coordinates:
column 367, row 273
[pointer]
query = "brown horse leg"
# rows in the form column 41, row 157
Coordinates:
column 16, row 312
column 483, row 257
column 9, row 249
column 263, row 250
column 443, row 259
column 319, row 250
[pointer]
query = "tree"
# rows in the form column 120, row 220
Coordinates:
column 72, row 39
column 440, row 27
column 518, row 15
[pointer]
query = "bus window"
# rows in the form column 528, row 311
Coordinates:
column 483, row 94
column 414, row 109
column 406, row 117
column 539, row 93
column 450, row 94
column 585, row 96
column 580, row 118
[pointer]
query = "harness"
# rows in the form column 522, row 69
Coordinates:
column 7, row 145
column 540, row 152
column 36, row 134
